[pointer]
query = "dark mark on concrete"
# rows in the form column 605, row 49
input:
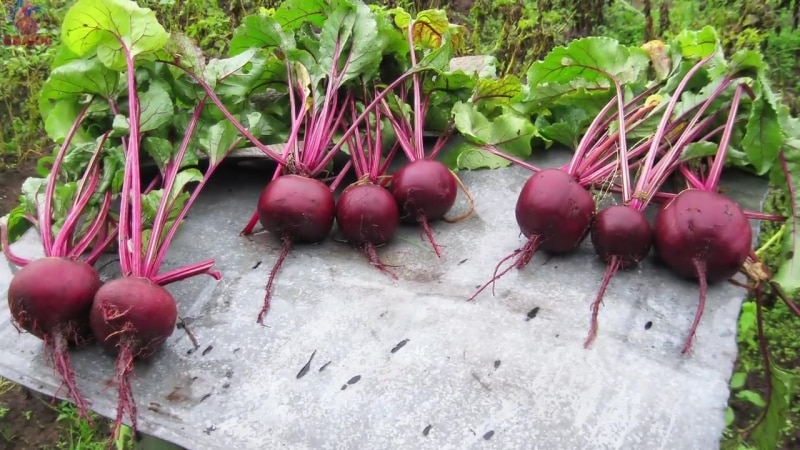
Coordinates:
column 255, row 266
column 208, row 349
column 427, row 430
column 488, row 435
column 324, row 366
column 203, row 398
column 478, row 379
column 210, row 429
column 648, row 325
column 354, row 380
column 400, row 345
column 496, row 364
column 463, row 261
column 532, row 313
column 305, row 368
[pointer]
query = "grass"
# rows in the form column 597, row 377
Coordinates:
column 517, row 32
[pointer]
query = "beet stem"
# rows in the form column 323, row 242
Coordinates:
column 700, row 268
column 374, row 259
column 426, row 227
column 522, row 256
column 611, row 269
column 9, row 254
column 287, row 246
column 56, row 345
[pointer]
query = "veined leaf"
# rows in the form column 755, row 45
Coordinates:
column 115, row 29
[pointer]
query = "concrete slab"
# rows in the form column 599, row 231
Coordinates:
column 410, row 364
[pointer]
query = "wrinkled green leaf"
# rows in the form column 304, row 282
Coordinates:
column 159, row 149
column 216, row 140
column 112, row 28
column 427, row 28
column 293, row 14
column 763, row 137
column 768, row 432
column 259, row 31
column 788, row 273
column 700, row 149
column 73, row 80
column 498, row 90
column 185, row 49
column 509, row 133
column 60, row 120
column 353, row 33
column 580, row 62
column 16, row 224
column 156, row 108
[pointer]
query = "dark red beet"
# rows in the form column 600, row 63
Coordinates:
column 425, row 190
column 702, row 235
column 299, row 207
column 295, row 209
column 51, row 298
column 132, row 318
column 554, row 212
column 555, row 209
column 367, row 215
column 621, row 237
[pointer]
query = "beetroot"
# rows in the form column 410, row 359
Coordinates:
column 131, row 318
column 621, row 237
column 294, row 208
column 56, row 311
column 702, row 235
column 425, row 190
column 554, row 212
column 368, row 216
column 297, row 207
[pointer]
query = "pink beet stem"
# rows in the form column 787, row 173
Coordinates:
column 287, row 246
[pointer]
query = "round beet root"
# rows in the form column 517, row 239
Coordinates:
column 706, row 227
column 367, row 214
column 623, row 232
column 424, row 189
column 297, row 207
column 555, row 208
column 52, row 293
column 134, row 312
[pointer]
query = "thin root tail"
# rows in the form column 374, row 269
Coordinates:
column 700, row 268
column 470, row 199
column 426, row 228
column 369, row 251
column 56, row 345
column 521, row 257
column 287, row 246
column 125, row 400
column 611, row 269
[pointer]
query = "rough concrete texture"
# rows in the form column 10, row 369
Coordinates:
column 409, row 363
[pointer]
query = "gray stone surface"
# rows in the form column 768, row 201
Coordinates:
column 470, row 375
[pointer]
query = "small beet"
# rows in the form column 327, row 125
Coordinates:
column 296, row 206
column 367, row 216
column 295, row 209
column 621, row 237
column 554, row 212
column 425, row 190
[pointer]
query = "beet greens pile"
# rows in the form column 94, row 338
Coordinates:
column 366, row 102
